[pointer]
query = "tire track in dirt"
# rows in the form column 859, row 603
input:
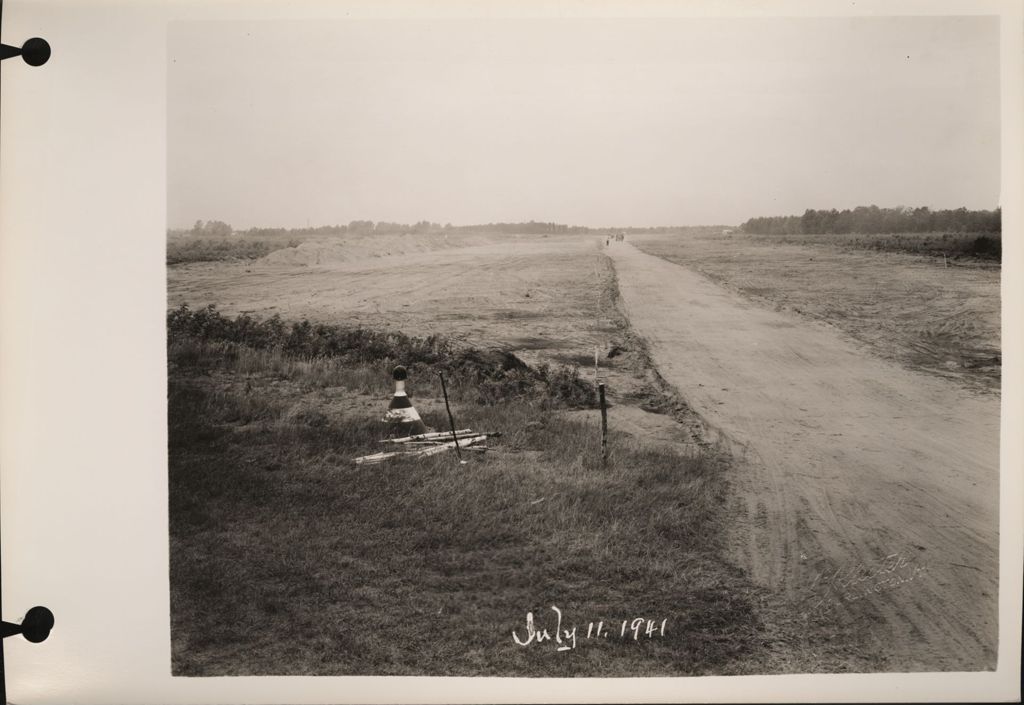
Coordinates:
column 866, row 494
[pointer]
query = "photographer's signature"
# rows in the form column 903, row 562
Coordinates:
column 853, row 583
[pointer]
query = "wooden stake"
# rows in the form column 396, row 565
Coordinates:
column 604, row 425
column 451, row 419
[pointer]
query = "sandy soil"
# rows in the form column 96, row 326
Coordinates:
column 869, row 492
column 902, row 307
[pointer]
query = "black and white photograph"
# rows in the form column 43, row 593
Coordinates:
column 385, row 351
column 578, row 347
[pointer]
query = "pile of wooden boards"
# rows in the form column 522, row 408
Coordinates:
column 426, row 444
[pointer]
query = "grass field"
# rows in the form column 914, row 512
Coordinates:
column 969, row 247
column 283, row 550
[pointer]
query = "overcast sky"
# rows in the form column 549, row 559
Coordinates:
column 589, row 122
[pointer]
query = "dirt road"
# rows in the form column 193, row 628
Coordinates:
column 870, row 493
column 901, row 307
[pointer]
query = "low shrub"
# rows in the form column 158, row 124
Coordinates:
column 321, row 355
column 185, row 250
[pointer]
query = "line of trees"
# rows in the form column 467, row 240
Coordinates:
column 216, row 228
column 211, row 228
column 875, row 220
column 532, row 228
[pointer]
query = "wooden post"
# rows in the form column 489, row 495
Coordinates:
column 451, row 419
column 604, row 425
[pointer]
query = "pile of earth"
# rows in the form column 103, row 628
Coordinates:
column 344, row 249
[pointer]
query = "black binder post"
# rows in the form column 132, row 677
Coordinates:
column 38, row 621
column 35, row 627
column 35, row 51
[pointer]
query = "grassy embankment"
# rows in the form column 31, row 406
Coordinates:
column 184, row 250
column 286, row 558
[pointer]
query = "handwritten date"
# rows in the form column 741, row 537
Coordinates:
column 568, row 638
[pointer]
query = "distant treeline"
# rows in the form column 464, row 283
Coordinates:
column 874, row 220
column 217, row 228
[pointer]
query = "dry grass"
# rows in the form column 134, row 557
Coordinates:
column 286, row 558
column 965, row 247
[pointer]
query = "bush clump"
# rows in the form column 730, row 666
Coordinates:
column 185, row 250
column 207, row 337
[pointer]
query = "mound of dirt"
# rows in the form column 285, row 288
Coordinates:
column 490, row 360
column 340, row 250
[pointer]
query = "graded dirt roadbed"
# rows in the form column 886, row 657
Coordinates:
column 869, row 492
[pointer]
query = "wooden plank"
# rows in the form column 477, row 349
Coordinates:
column 431, row 436
column 432, row 449
column 376, row 458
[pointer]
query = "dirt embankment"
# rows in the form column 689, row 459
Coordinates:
column 546, row 299
column 338, row 250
